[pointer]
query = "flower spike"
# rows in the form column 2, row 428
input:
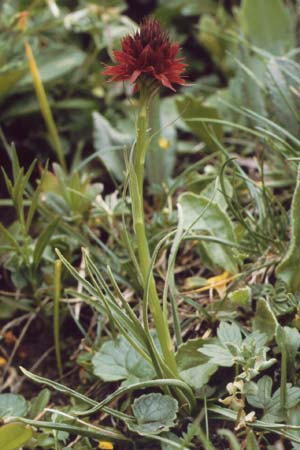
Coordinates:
column 148, row 53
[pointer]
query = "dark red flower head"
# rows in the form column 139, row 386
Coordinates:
column 149, row 51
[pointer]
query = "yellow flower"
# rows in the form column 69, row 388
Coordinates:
column 3, row 361
column 163, row 143
column 105, row 445
column 219, row 283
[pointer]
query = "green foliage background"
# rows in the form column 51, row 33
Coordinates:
column 222, row 217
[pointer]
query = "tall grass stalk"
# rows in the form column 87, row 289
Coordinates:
column 44, row 105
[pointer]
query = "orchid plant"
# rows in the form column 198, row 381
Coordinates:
column 149, row 60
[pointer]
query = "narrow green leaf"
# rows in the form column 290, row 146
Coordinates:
column 8, row 183
column 43, row 240
column 39, row 403
column 35, row 199
column 234, row 443
column 15, row 162
column 251, row 443
column 86, row 430
column 44, row 105
column 9, row 237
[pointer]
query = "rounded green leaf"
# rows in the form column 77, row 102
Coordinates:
column 12, row 405
column 117, row 360
column 14, row 435
column 154, row 414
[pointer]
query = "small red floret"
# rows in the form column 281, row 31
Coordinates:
column 149, row 51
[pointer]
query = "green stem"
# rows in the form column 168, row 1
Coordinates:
column 56, row 300
column 281, row 341
column 136, row 191
column 154, row 164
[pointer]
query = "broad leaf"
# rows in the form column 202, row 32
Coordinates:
column 294, row 419
column 195, row 368
column 9, row 77
column 201, row 214
column 154, row 414
column 109, row 144
column 218, row 355
column 249, row 353
column 271, row 404
column 12, row 405
column 213, row 192
column 229, row 333
column 13, row 436
column 262, row 397
column 173, row 438
column 288, row 269
column 282, row 97
column 292, row 342
column 194, row 108
column 251, row 74
column 265, row 320
column 240, row 298
column 161, row 153
column 53, row 64
column 268, row 25
column 117, row 360
column 273, row 413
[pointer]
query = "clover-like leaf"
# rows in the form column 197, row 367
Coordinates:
column 263, row 399
column 12, row 405
column 229, row 333
column 230, row 348
column 117, row 360
column 274, row 413
column 154, row 414
column 195, row 368
column 218, row 355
